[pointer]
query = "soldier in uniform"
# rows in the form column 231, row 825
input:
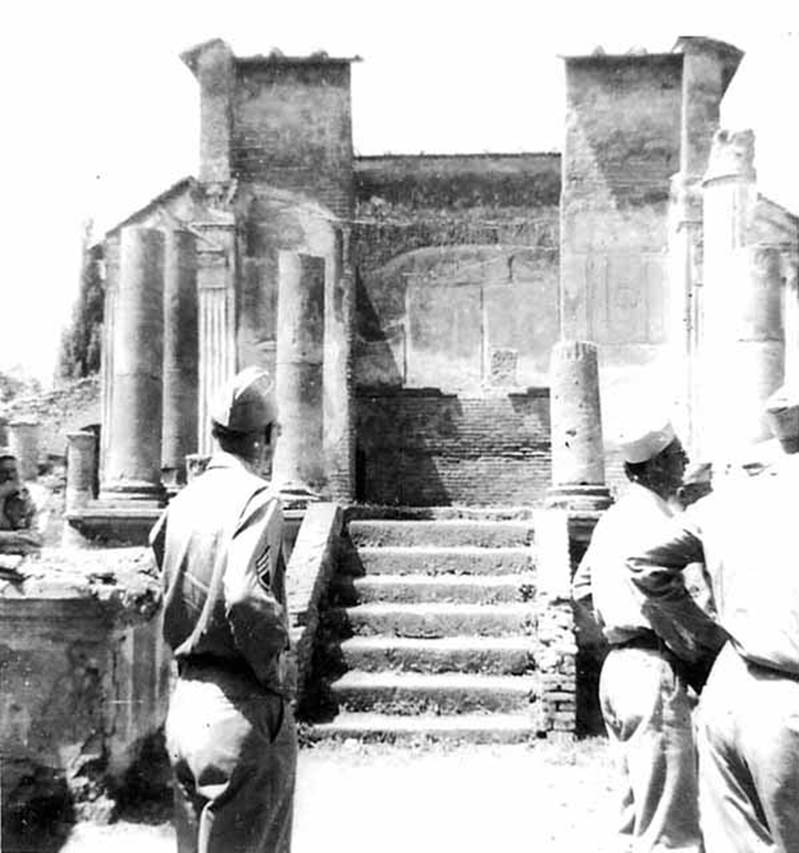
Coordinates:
column 230, row 731
column 748, row 731
column 654, row 654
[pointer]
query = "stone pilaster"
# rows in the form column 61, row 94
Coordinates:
column 81, row 455
column 742, row 343
column 23, row 440
column 180, row 356
column 216, row 317
column 685, row 296
column 132, row 469
column 299, row 457
column 578, row 460
column 338, row 428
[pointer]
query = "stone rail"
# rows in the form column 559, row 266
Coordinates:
column 311, row 565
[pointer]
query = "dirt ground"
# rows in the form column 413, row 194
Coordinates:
column 554, row 798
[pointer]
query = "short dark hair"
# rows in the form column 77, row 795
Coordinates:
column 239, row 443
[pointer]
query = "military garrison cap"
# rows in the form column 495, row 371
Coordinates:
column 247, row 402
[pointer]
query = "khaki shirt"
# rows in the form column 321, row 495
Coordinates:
column 745, row 532
column 219, row 547
column 622, row 609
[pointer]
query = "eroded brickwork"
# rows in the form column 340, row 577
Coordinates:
column 431, row 449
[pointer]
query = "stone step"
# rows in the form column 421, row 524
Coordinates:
column 473, row 728
column 433, row 560
column 435, row 619
column 468, row 589
column 456, row 532
column 489, row 655
column 408, row 693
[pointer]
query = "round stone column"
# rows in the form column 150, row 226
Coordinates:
column 180, row 356
column 81, row 455
column 578, row 460
column 742, row 344
column 132, row 469
column 299, row 459
column 23, row 441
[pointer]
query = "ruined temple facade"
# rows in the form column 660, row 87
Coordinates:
column 408, row 305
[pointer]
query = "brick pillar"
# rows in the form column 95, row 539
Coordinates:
column 742, row 345
column 339, row 434
column 180, row 356
column 81, row 452
column 299, row 458
column 132, row 469
column 578, row 459
column 23, row 440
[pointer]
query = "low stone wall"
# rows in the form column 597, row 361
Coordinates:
column 311, row 565
column 85, row 681
column 557, row 654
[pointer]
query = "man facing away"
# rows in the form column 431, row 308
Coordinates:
column 748, row 732
column 230, row 732
column 654, row 654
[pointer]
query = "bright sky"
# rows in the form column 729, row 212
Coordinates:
column 100, row 114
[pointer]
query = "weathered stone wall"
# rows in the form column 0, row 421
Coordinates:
column 292, row 128
column 456, row 290
column 425, row 448
column 457, row 264
column 85, row 681
column 622, row 147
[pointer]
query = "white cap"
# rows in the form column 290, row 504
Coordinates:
column 642, row 442
column 247, row 402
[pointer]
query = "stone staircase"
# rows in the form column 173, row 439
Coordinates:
column 434, row 632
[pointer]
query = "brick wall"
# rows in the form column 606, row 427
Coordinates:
column 292, row 128
column 424, row 448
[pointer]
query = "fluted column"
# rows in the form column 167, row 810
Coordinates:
column 23, row 440
column 132, row 469
column 339, row 433
column 216, row 316
column 299, row 458
column 685, row 293
column 180, row 356
column 578, row 460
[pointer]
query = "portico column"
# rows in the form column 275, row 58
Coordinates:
column 685, row 293
column 132, row 469
column 216, row 317
column 578, row 458
column 299, row 459
column 180, row 356
column 743, row 342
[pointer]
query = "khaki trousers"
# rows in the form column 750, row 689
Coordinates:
column 233, row 748
column 648, row 715
column 748, row 739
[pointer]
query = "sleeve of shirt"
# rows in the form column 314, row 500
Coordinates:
column 660, row 557
column 157, row 539
column 257, row 619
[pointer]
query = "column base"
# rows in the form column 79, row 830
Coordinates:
column 578, row 498
column 134, row 493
